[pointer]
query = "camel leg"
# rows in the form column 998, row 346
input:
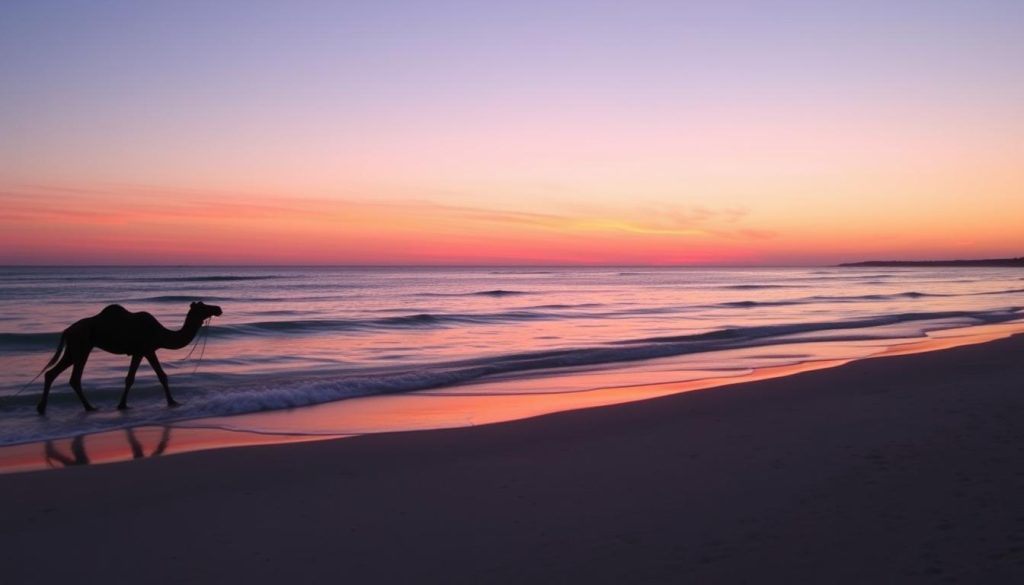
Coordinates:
column 129, row 380
column 76, row 379
column 151, row 358
column 65, row 361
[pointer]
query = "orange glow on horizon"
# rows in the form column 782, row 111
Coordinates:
column 148, row 226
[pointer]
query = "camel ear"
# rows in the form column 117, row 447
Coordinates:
column 193, row 305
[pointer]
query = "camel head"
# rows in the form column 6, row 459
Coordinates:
column 202, row 311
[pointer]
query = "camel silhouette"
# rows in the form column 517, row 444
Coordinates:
column 118, row 331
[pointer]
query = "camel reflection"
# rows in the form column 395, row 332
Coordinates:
column 79, row 455
column 137, row 451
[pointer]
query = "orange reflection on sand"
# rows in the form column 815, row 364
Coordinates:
column 130, row 444
column 420, row 411
column 940, row 340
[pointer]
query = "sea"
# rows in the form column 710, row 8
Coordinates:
column 294, row 337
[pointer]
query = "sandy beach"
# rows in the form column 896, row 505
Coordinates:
column 896, row 469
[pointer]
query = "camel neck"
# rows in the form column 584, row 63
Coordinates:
column 184, row 336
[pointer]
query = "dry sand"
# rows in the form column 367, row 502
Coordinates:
column 892, row 470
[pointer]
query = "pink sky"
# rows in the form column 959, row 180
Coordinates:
column 526, row 133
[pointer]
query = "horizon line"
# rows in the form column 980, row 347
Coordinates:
column 431, row 265
column 837, row 264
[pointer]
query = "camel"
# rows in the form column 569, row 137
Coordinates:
column 118, row 331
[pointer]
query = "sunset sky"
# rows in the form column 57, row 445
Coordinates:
column 551, row 132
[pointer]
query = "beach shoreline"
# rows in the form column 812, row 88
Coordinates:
column 905, row 468
column 292, row 338
column 480, row 403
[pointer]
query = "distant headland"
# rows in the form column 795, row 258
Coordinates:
column 1004, row 262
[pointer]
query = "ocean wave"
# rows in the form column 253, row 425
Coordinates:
column 180, row 299
column 765, row 331
column 143, row 279
column 1002, row 292
column 745, row 304
column 46, row 340
column 37, row 341
column 284, row 298
column 415, row 321
column 209, row 278
column 759, row 286
column 569, row 306
column 498, row 293
column 910, row 294
column 845, row 276
column 855, row 298
column 480, row 293
column 29, row 341
column 243, row 394
column 826, row 299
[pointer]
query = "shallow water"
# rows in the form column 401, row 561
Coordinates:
column 302, row 336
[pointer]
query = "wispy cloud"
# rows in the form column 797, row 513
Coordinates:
column 683, row 221
column 174, row 223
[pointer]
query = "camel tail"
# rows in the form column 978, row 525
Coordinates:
column 56, row 356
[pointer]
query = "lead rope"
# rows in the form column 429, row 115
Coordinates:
column 5, row 399
column 202, row 352
column 200, row 337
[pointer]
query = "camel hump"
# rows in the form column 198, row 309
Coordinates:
column 119, row 314
column 114, row 311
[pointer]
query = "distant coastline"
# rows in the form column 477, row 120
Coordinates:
column 1012, row 262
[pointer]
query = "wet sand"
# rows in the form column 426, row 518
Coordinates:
column 898, row 469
